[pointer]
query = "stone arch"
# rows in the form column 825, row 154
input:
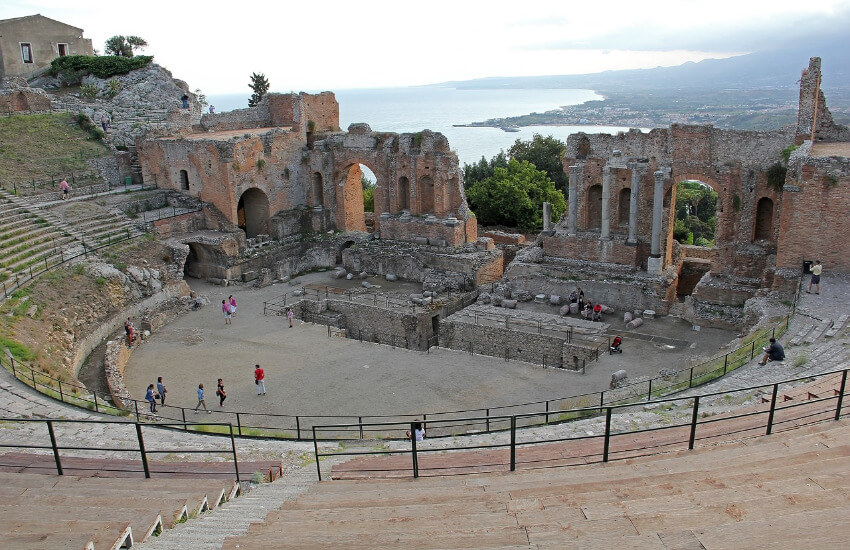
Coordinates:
column 623, row 203
column 317, row 190
column 252, row 212
column 593, row 213
column 184, row 180
column 763, row 229
column 426, row 195
column 403, row 194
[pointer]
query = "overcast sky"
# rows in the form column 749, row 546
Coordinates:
column 325, row 45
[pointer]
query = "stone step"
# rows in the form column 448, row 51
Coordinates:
column 839, row 324
column 803, row 332
column 818, row 331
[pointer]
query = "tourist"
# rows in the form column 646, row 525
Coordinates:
column 573, row 296
column 150, row 397
column 418, row 431
column 225, row 308
column 66, row 189
column 580, row 300
column 260, row 380
column 201, row 400
column 587, row 312
column 212, row 109
column 104, row 122
column 222, row 395
column 597, row 312
column 232, row 301
column 773, row 352
column 185, row 100
column 817, row 269
column 289, row 315
column 130, row 330
column 160, row 389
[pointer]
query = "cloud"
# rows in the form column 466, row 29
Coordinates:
column 767, row 33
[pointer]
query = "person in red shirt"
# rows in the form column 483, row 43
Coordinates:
column 260, row 380
column 597, row 312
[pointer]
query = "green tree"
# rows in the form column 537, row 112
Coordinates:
column 368, row 193
column 260, row 85
column 545, row 153
column 514, row 196
column 696, row 213
column 124, row 46
column 483, row 169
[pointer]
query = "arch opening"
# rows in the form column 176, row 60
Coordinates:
column 696, row 213
column 623, row 206
column 252, row 213
column 764, row 220
column 184, row 180
column 594, row 208
column 426, row 195
column 403, row 194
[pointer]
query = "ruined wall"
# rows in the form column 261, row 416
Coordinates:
column 44, row 35
column 323, row 110
column 499, row 341
column 815, row 206
column 16, row 101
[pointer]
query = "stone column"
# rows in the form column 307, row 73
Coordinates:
column 605, row 232
column 547, row 216
column 653, row 264
column 633, row 202
column 576, row 173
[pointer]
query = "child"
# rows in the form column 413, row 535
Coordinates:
column 201, row 400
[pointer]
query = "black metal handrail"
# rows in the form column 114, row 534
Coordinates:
column 824, row 411
column 466, row 421
column 139, row 446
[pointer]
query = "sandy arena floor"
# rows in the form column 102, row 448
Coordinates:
column 308, row 373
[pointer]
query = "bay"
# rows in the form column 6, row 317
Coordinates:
column 437, row 108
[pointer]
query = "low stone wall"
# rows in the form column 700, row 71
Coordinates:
column 116, row 357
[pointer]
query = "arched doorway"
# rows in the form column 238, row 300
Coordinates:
column 594, row 207
column 764, row 220
column 623, row 207
column 318, row 198
column 403, row 194
column 426, row 195
column 184, row 180
column 253, row 213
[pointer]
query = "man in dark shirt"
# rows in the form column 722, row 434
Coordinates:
column 773, row 352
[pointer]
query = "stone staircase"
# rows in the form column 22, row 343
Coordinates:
column 789, row 490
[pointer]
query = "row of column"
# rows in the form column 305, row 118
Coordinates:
column 638, row 171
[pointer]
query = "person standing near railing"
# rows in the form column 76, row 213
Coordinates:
column 150, row 397
column 160, row 389
column 201, row 399
column 222, row 395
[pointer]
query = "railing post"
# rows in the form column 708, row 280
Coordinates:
column 55, row 447
column 649, row 393
column 725, row 362
column 488, row 420
column 841, row 394
column 601, row 400
column 136, row 406
column 183, row 413
column 413, row 450
column 547, row 411
column 32, row 375
column 513, row 443
column 61, row 396
column 142, row 451
column 316, row 454
column 360, row 423
column 694, row 424
column 235, row 461
column 94, row 394
column 238, row 425
column 607, row 434
column 691, row 379
column 753, row 350
column 298, row 427
column 772, row 409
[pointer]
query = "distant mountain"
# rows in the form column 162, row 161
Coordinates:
column 766, row 69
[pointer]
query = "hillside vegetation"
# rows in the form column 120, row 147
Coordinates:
column 43, row 146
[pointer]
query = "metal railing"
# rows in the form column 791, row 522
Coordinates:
column 791, row 412
column 138, row 448
column 452, row 423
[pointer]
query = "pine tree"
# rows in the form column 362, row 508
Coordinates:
column 260, row 85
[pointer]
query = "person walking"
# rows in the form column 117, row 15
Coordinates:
column 232, row 301
column 225, row 308
column 66, row 189
column 201, row 400
column 160, row 389
column 289, row 315
column 222, row 395
column 150, row 397
column 260, row 380
column 816, row 269
column 104, row 122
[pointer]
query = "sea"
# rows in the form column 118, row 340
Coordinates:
column 439, row 108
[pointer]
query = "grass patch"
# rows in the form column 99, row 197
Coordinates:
column 44, row 147
column 801, row 360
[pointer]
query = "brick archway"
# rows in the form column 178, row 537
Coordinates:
column 252, row 212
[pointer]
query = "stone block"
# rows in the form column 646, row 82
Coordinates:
column 349, row 276
column 483, row 298
column 420, row 240
column 627, row 317
column 574, row 308
column 496, row 300
column 540, row 299
column 607, row 310
column 648, row 314
column 634, row 323
column 565, row 310
column 248, row 276
column 510, row 304
column 437, row 242
column 366, row 284
column 391, row 277
column 339, row 273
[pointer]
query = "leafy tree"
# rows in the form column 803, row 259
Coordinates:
column 124, row 46
column 260, row 85
column 545, row 153
column 514, row 196
column 696, row 213
column 483, row 169
column 368, row 193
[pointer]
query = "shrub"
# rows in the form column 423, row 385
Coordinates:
column 101, row 67
column 113, row 86
column 88, row 90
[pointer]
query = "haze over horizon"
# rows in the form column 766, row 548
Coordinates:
column 372, row 44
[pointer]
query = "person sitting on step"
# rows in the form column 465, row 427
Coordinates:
column 773, row 352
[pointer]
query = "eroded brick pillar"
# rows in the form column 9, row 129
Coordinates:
column 653, row 264
column 605, row 231
column 576, row 172
column 637, row 175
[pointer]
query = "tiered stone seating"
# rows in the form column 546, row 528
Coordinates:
column 48, row 511
column 788, row 490
column 104, row 227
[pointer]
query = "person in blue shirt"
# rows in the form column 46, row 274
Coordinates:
column 201, row 400
column 150, row 397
